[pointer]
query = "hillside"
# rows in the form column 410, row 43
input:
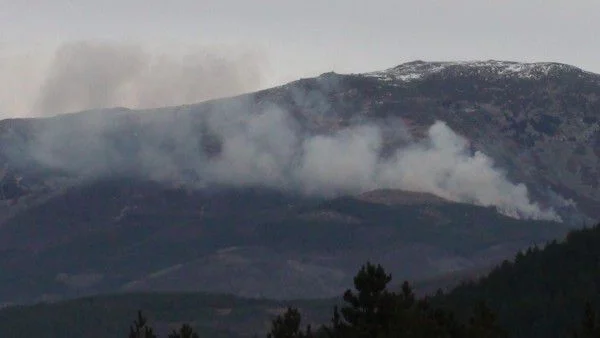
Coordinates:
column 541, row 294
column 428, row 167
column 127, row 236
column 519, row 115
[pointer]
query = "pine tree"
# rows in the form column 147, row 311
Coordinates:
column 288, row 326
column 589, row 324
column 483, row 323
column 370, row 309
column 185, row 331
column 140, row 328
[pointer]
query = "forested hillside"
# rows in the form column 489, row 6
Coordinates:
column 548, row 291
column 543, row 292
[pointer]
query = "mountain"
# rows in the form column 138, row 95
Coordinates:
column 428, row 167
column 537, row 121
column 132, row 237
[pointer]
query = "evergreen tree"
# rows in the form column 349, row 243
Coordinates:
column 288, row 326
column 590, row 328
column 185, row 331
column 483, row 323
column 374, row 312
column 370, row 309
column 140, row 328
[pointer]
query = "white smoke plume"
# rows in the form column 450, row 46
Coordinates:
column 258, row 143
column 443, row 165
column 83, row 75
column 268, row 151
column 269, row 148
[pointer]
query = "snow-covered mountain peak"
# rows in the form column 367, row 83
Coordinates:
column 418, row 70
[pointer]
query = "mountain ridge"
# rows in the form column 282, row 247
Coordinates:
column 419, row 69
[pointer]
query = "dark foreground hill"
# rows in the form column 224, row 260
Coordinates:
column 218, row 316
column 541, row 294
column 126, row 236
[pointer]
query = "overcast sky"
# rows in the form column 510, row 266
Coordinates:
column 296, row 39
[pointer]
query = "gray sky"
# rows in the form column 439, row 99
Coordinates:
column 296, row 38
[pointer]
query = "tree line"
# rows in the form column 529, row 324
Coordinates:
column 545, row 292
column 370, row 310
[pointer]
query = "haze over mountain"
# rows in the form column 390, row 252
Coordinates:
column 91, row 74
column 278, row 41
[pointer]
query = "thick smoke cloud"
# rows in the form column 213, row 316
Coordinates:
column 268, row 147
column 444, row 166
column 268, row 151
column 101, row 74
